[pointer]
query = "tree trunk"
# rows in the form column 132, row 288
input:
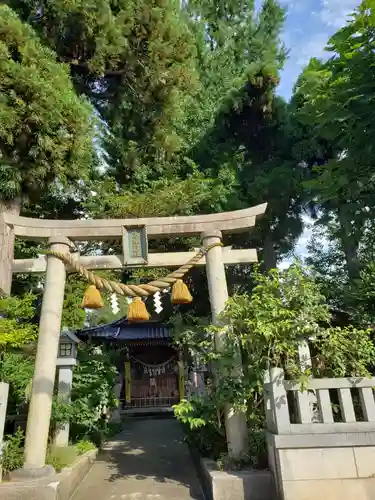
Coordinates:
column 269, row 253
column 350, row 246
column 7, row 244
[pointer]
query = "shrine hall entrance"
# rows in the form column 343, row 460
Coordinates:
column 150, row 375
column 154, row 377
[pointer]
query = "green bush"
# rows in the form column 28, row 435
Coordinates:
column 61, row 456
column 203, row 425
column 13, row 451
column 97, row 435
column 267, row 326
column 92, row 391
column 84, row 445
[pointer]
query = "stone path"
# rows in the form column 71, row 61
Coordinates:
column 147, row 461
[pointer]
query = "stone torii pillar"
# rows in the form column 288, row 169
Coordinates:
column 235, row 421
column 39, row 415
column 7, row 236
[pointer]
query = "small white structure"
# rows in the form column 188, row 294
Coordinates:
column 4, row 390
column 66, row 359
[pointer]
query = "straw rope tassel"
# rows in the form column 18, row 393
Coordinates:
column 180, row 293
column 92, row 298
column 137, row 310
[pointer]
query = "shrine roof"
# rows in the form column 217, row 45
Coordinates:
column 123, row 330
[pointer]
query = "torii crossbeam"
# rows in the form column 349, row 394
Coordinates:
column 157, row 227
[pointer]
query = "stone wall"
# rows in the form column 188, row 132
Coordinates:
column 337, row 473
column 311, row 454
column 59, row 487
column 245, row 484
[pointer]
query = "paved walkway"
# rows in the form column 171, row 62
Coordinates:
column 147, row 461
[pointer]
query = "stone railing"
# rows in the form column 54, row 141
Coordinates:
column 318, row 418
column 311, row 454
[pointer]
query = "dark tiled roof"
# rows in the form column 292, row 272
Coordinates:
column 122, row 330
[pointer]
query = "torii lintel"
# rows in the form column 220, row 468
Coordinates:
column 157, row 227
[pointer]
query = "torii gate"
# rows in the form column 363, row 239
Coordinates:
column 60, row 235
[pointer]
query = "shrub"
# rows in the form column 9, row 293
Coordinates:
column 12, row 457
column 267, row 328
column 92, row 391
column 84, row 445
column 102, row 431
column 203, row 425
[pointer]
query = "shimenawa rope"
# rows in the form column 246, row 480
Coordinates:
column 132, row 290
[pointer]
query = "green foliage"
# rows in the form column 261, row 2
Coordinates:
column 84, row 445
column 285, row 307
column 73, row 316
column 93, row 383
column 61, row 456
column 203, row 425
column 327, row 262
column 92, row 391
column 361, row 296
column 57, row 456
column 267, row 327
column 344, row 352
column 136, row 61
column 355, row 296
column 15, row 327
column 331, row 105
column 165, row 196
column 46, row 131
column 186, row 95
column 12, row 457
column 16, row 369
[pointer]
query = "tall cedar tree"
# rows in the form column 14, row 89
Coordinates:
column 46, row 130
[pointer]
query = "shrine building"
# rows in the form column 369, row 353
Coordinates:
column 151, row 371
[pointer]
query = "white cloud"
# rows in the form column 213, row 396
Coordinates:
column 311, row 48
column 334, row 13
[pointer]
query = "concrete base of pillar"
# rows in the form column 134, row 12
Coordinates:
column 25, row 474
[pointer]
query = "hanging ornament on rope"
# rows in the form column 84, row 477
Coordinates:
column 114, row 304
column 180, row 293
column 157, row 303
column 92, row 298
column 137, row 310
column 167, row 366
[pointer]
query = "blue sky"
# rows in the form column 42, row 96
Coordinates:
column 308, row 27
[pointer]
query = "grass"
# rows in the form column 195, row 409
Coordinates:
column 64, row 456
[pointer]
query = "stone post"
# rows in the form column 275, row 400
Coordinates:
column 279, row 402
column 235, row 422
column 7, row 244
column 64, row 391
column 307, row 401
column 39, row 415
column 197, row 380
